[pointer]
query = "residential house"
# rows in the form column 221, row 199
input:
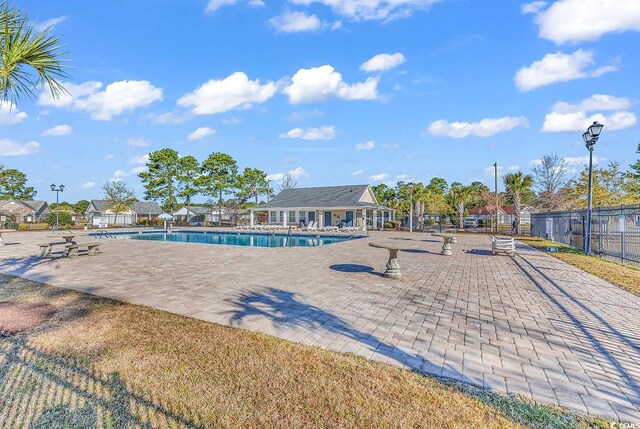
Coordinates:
column 100, row 214
column 24, row 210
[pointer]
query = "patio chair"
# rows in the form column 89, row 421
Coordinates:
column 308, row 227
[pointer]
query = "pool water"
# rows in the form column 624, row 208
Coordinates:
column 237, row 238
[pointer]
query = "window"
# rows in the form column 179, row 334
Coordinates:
column 303, row 216
column 292, row 216
column 273, row 218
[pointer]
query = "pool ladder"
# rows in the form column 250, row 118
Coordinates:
column 287, row 242
column 103, row 233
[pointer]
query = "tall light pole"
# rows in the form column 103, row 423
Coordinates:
column 268, row 189
column 411, row 208
column 57, row 191
column 495, row 169
column 590, row 138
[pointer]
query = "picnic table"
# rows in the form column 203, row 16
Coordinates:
column 68, row 238
column 393, row 266
column 449, row 239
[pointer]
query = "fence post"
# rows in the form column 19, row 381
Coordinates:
column 622, row 225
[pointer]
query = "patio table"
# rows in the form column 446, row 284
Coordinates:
column 393, row 266
column 68, row 238
column 449, row 239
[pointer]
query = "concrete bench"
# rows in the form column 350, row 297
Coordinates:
column 506, row 245
column 72, row 250
column 46, row 248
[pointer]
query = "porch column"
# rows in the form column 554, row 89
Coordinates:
column 321, row 218
column 375, row 219
column 364, row 219
column 383, row 212
column 285, row 213
column 251, row 218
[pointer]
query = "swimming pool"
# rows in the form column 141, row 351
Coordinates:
column 236, row 238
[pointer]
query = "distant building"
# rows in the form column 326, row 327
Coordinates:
column 99, row 214
column 351, row 205
column 201, row 214
column 506, row 214
column 24, row 210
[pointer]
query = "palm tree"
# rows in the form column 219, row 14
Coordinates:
column 516, row 185
column 22, row 46
column 459, row 196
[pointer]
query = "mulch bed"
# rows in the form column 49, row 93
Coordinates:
column 16, row 317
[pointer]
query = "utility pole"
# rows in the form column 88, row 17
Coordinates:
column 495, row 169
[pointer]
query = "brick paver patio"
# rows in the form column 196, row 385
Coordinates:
column 531, row 325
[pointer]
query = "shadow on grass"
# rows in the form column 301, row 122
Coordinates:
column 71, row 394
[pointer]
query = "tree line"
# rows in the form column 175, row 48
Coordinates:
column 549, row 187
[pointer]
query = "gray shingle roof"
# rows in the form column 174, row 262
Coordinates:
column 325, row 196
column 37, row 205
column 140, row 207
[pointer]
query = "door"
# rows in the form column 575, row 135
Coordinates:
column 312, row 217
column 349, row 218
column 327, row 218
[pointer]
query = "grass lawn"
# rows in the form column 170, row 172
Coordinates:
column 624, row 276
column 103, row 363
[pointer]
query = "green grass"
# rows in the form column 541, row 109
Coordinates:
column 103, row 363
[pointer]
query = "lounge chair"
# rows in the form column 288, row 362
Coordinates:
column 308, row 227
column 503, row 244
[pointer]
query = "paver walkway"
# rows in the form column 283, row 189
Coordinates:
column 531, row 325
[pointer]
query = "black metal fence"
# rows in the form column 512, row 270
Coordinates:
column 615, row 231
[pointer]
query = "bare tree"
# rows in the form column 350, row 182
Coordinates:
column 550, row 178
column 288, row 182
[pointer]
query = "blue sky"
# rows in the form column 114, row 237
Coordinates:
column 333, row 91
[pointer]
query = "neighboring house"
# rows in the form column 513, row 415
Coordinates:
column 99, row 213
column 201, row 214
column 352, row 205
column 25, row 210
column 525, row 214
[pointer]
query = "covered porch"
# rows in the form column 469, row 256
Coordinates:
column 363, row 218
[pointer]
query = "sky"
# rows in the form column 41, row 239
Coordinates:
column 334, row 92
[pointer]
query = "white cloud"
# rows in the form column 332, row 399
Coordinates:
column 169, row 117
column 88, row 185
column 372, row 9
column 307, row 114
column 109, row 156
column 559, row 67
column 234, row 91
column 383, row 62
column 140, row 159
column 49, row 23
column 121, row 174
column 214, row 5
column 58, row 130
column 317, row 133
column 484, row 128
column 295, row 22
column 576, row 21
column 580, row 121
column 379, row 177
column 575, row 117
column 117, row 97
column 296, row 173
column 357, row 173
column 366, row 145
column 10, row 114
column 593, row 103
column 533, row 7
column 138, row 142
column 322, row 83
column 581, row 160
column 14, row 148
column 200, row 133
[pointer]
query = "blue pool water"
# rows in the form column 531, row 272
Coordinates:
column 236, row 238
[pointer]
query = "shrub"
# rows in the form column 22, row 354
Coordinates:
column 390, row 224
column 64, row 218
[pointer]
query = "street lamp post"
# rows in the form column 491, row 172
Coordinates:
column 411, row 208
column 590, row 138
column 57, row 191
